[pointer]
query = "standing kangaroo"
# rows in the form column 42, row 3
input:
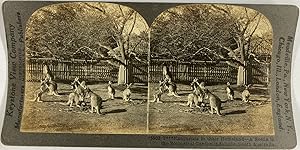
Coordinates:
column 229, row 91
column 111, row 91
column 78, row 88
column 166, row 71
column 96, row 101
column 214, row 102
column 196, row 96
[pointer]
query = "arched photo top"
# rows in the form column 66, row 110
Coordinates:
column 86, row 30
column 212, row 32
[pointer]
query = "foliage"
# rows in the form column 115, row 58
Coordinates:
column 90, row 30
column 210, row 32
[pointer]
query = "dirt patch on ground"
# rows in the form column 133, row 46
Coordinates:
column 169, row 117
column 51, row 116
column 239, row 118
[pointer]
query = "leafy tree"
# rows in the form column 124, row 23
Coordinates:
column 100, row 30
column 212, row 32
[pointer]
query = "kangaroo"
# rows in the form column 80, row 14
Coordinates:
column 166, row 71
column 196, row 96
column 78, row 87
column 230, row 92
column 38, row 97
column 246, row 93
column 171, row 86
column 111, row 91
column 51, row 86
column 74, row 97
column 47, row 73
column 96, row 101
column 214, row 102
column 127, row 93
column 42, row 90
column 157, row 94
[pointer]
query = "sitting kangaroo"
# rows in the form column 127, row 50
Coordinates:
column 157, row 94
column 127, row 93
column 74, row 97
column 42, row 90
column 51, row 86
column 171, row 86
column 246, row 93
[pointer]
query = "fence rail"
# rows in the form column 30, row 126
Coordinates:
column 68, row 70
column 209, row 71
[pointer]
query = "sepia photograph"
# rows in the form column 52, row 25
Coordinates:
column 86, row 70
column 149, row 75
column 210, row 71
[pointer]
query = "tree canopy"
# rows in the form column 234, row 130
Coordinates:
column 211, row 32
column 96, row 30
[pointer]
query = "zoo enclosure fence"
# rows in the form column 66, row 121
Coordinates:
column 182, row 71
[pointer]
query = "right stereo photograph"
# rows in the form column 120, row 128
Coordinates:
column 210, row 71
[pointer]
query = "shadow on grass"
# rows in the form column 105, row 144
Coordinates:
column 116, row 98
column 183, row 94
column 64, row 93
column 139, row 89
column 235, row 112
column 115, row 111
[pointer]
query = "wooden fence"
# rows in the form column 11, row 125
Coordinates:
column 209, row 71
column 68, row 70
column 259, row 73
column 184, row 72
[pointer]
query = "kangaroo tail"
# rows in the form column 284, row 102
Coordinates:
column 219, row 113
column 175, row 94
column 55, row 93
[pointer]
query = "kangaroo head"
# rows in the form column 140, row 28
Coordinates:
column 247, row 86
column 76, row 79
column 228, row 83
column 109, row 82
column 195, row 80
column 75, row 83
column 161, row 83
column 202, row 85
column 128, row 85
column 41, row 82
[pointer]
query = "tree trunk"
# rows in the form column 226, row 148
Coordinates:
column 124, row 75
column 241, row 76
